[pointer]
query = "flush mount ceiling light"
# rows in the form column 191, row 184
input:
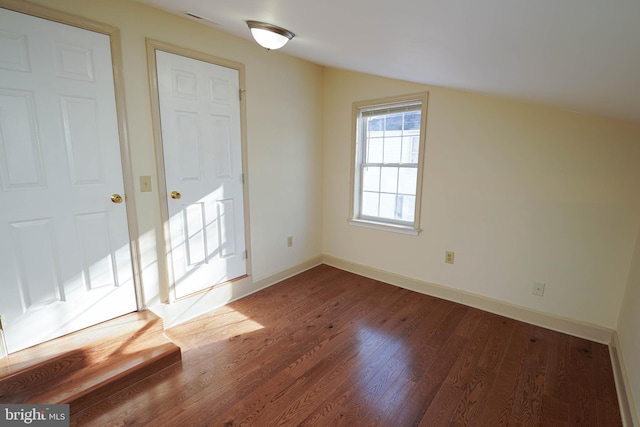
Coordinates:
column 269, row 36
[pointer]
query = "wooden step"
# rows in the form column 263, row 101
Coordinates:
column 89, row 365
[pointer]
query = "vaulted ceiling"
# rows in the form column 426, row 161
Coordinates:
column 580, row 55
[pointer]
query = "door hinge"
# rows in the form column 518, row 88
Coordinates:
column 242, row 178
column 241, row 91
column 246, row 254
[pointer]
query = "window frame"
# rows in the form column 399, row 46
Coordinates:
column 358, row 147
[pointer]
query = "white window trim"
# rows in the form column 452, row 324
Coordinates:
column 376, row 225
column 354, row 209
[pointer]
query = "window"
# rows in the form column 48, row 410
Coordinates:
column 387, row 174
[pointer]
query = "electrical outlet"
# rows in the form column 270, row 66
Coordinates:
column 289, row 241
column 145, row 184
column 449, row 257
column 538, row 289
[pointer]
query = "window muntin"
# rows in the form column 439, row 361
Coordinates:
column 389, row 138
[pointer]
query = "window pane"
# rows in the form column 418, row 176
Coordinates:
column 394, row 122
column 412, row 120
column 410, row 145
column 406, row 208
column 374, row 150
column 376, row 124
column 388, row 206
column 389, row 180
column 407, row 180
column 392, row 149
column 415, row 148
column 371, row 179
column 370, row 204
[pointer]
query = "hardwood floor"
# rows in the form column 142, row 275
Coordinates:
column 330, row 348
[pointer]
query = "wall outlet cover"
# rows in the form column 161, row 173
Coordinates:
column 449, row 257
column 538, row 289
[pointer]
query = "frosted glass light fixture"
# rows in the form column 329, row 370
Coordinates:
column 269, row 36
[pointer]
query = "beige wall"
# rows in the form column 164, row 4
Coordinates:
column 284, row 113
column 629, row 328
column 521, row 193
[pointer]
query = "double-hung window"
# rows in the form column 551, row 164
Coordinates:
column 387, row 171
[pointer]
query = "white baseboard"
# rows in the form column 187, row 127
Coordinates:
column 625, row 397
column 550, row 321
column 201, row 303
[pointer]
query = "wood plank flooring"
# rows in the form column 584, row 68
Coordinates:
column 330, row 348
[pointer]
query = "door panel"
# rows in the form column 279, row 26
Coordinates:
column 36, row 286
column 64, row 245
column 80, row 119
column 21, row 163
column 201, row 140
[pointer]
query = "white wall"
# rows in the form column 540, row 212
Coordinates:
column 284, row 96
column 521, row 193
column 629, row 328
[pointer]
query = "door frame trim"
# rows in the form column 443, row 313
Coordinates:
column 118, row 82
column 167, row 281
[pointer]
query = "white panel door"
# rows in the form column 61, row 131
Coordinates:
column 64, row 245
column 200, row 119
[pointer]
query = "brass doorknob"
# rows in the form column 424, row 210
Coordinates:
column 175, row 195
column 116, row 198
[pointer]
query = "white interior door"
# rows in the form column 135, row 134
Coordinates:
column 64, row 245
column 201, row 140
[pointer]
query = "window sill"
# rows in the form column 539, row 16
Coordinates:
column 402, row 229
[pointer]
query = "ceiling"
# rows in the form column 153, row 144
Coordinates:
column 579, row 55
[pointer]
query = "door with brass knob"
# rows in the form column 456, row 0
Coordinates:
column 202, row 157
column 65, row 249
